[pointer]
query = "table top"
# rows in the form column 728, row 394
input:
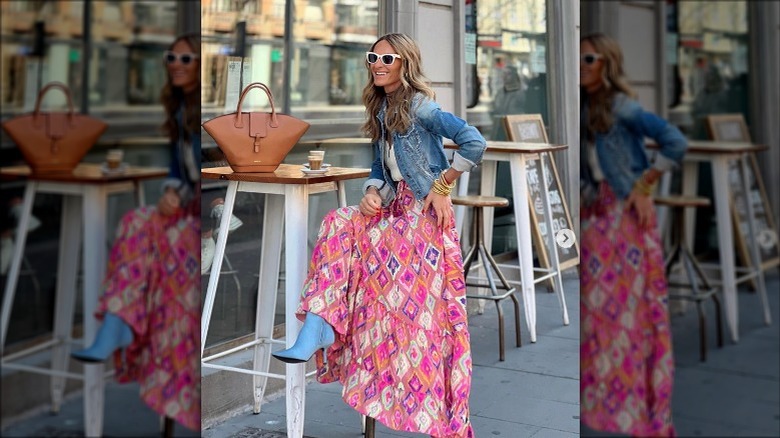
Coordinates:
column 517, row 147
column 718, row 147
column 85, row 173
column 286, row 174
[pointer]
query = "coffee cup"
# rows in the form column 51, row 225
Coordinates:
column 315, row 162
column 114, row 158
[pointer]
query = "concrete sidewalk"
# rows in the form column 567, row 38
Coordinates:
column 125, row 415
column 534, row 393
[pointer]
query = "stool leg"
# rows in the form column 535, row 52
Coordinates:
column 688, row 264
column 504, row 283
column 718, row 321
column 68, row 266
column 167, row 431
column 715, row 298
column 476, row 226
column 485, row 256
column 516, row 303
column 370, row 427
column 268, row 281
column 472, row 251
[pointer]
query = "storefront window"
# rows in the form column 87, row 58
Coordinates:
column 512, row 79
column 709, row 62
column 325, row 84
column 43, row 41
column 708, row 72
column 511, row 63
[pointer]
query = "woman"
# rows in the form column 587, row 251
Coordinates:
column 626, row 361
column 151, row 305
column 385, row 294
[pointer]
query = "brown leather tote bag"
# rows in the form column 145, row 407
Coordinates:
column 54, row 142
column 255, row 142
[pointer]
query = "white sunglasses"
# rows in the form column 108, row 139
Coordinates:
column 387, row 58
column 590, row 58
column 184, row 58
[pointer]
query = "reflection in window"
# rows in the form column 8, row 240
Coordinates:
column 511, row 62
column 710, row 66
column 55, row 53
column 326, row 79
column 42, row 41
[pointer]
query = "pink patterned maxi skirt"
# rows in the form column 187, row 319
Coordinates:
column 392, row 288
column 626, row 365
column 153, row 284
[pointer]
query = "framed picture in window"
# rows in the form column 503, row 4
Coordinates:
column 727, row 127
column 526, row 128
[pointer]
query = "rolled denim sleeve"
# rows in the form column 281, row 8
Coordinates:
column 672, row 142
column 471, row 144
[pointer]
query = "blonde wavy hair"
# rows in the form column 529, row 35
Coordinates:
column 397, row 114
column 613, row 80
column 172, row 98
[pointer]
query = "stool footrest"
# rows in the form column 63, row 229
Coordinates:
column 492, row 297
column 700, row 296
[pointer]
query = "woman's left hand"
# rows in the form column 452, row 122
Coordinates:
column 643, row 205
column 442, row 206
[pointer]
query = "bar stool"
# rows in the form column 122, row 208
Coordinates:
column 477, row 203
column 680, row 253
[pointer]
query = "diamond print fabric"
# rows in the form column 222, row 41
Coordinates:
column 392, row 287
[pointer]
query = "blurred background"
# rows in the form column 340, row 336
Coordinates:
column 110, row 55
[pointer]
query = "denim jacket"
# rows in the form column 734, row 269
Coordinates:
column 420, row 151
column 184, row 168
column 621, row 151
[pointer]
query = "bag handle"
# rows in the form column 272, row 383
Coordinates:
column 238, row 123
column 45, row 89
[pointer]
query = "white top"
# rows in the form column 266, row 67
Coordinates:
column 392, row 164
column 593, row 162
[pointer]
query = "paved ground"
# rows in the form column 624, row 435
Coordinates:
column 534, row 393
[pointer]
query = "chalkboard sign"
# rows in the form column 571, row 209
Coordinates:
column 763, row 221
column 530, row 128
column 732, row 127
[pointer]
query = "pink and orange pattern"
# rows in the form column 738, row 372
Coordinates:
column 153, row 284
column 626, row 364
column 392, row 287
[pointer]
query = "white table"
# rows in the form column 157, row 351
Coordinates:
column 518, row 154
column 286, row 207
column 719, row 154
column 86, row 192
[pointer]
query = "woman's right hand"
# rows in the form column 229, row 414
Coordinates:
column 169, row 202
column 371, row 203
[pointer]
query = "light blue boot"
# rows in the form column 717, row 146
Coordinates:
column 315, row 334
column 113, row 334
